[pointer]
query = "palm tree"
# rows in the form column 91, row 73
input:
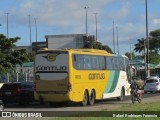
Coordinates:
column 140, row 46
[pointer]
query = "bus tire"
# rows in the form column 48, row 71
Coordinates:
column 92, row 98
column 122, row 95
column 85, row 98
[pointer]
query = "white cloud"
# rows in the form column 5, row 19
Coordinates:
column 61, row 12
column 68, row 16
column 121, row 11
column 156, row 21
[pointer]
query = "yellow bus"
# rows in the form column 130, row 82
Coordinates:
column 80, row 75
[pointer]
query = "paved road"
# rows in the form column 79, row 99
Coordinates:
column 109, row 104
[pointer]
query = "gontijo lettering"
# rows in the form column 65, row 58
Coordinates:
column 51, row 68
column 95, row 76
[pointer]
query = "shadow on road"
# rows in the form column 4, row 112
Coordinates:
column 36, row 105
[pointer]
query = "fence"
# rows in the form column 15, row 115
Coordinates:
column 141, row 73
column 16, row 77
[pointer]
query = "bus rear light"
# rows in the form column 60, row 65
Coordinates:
column 18, row 90
column 69, row 87
column 157, row 84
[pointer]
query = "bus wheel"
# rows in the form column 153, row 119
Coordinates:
column 92, row 98
column 85, row 99
column 121, row 97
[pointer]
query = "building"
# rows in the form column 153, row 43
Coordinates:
column 65, row 41
column 23, row 47
column 73, row 41
column 38, row 45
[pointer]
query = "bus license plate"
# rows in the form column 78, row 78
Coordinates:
column 8, row 93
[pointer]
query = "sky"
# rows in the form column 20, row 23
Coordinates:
column 56, row 17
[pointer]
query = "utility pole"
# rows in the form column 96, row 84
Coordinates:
column 35, row 19
column 147, row 40
column 130, row 49
column 7, row 25
column 86, row 8
column 117, row 40
column 30, row 33
column 96, row 23
column 113, row 39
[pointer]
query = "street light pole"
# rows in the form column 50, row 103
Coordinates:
column 117, row 40
column 7, row 25
column 35, row 19
column 113, row 39
column 30, row 33
column 96, row 23
column 130, row 50
column 86, row 20
column 147, row 40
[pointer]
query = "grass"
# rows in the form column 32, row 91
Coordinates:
column 101, row 118
column 145, row 107
column 155, row 106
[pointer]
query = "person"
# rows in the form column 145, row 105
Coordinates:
column 135, row 88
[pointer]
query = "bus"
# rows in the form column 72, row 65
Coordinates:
column 80, row 75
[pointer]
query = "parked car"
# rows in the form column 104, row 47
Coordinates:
column 152, row 85
column 154, row 76
column 21, row 92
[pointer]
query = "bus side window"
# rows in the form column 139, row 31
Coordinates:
column 80, row 62
column 113, row 61
column 74, row 56
column 121, row 63
column 87, row 62
column 101, row 61
column 109, row 63
column 95, row 64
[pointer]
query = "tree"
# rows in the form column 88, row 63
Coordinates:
column 154, row 46
column 9, row 57
column 154, row 58
column 139, row 47
column 130, row 55
column 154, row 42
column 90, row 42
column 107, row 48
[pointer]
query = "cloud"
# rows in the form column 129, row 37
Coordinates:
column 156, row 21
column 68, row 17
column 63, row 16
column 121, row 10
column 56, row 12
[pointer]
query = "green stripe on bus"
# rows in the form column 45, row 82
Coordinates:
column 115, row 81
column 110, row 82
